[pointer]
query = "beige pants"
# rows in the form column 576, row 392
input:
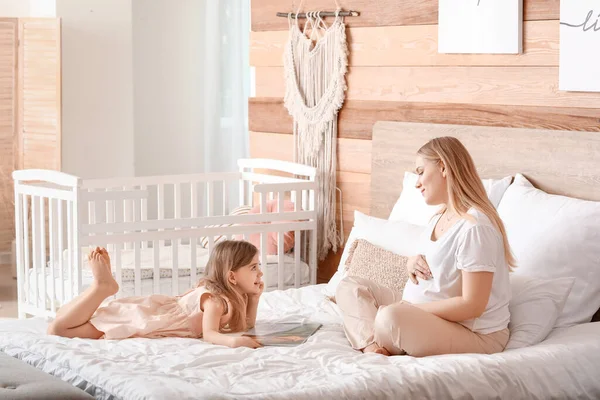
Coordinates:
column 376, row 314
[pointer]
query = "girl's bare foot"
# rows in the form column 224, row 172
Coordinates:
column 100, row 264
column 375, row 348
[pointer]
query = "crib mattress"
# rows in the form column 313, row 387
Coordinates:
column 165, row 282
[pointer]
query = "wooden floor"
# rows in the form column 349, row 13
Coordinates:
column 8, row 293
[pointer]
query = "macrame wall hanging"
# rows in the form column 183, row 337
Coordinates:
column 315, row 68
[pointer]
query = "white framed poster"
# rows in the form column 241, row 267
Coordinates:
column 480, row 26
column 579, row 45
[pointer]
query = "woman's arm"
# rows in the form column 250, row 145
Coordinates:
column 476, row 289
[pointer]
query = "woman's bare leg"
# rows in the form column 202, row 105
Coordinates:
column 73, row 319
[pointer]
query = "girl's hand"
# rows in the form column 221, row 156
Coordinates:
column 418, row 267
column 261, row 289
column 244, row 341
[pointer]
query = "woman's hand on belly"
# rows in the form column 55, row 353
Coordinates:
column 417, row 267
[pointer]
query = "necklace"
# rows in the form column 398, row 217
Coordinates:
column 442, row 229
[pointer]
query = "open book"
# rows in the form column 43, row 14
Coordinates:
column 282, row 334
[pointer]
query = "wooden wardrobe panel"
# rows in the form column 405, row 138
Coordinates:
column 378, row 12
column 39, row 130
column 356, row 118
column 529, row 86
column 416, row 45
column 8, row 121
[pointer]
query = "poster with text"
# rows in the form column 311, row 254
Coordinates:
column 579, row 45
column 480, row 26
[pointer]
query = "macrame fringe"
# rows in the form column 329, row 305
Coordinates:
column 315, row 86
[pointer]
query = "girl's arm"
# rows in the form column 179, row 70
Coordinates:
column 252, row 306
column 251, row 309
column 211, row 323
column 476, row 289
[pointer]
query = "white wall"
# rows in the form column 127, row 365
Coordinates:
column 131, row 82
column 98, row 123
column 28, row 8
column 167, row 71
column 42, row 8
column 14, row 8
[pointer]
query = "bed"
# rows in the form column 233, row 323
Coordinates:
column 564, row 365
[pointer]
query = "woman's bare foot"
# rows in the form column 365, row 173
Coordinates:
column 100, row 264
column 375, row 348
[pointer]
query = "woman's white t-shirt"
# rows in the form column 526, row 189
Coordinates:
column 472, row 246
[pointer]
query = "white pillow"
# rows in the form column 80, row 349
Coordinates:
column 555, row 236
column 534, row 307
column 411, row 206
column 398, row 237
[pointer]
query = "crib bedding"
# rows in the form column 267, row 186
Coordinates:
column 184, row 283
column 165, row 285
column 165, row 267
column 565, row 365
column 165, row 261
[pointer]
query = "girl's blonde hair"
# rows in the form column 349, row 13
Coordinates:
column 465, row 189
column 226, row 256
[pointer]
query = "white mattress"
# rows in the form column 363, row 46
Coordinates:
column 564, row 366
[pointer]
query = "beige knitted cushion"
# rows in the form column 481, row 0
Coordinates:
column 365, row 260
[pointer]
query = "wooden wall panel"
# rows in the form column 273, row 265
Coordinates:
column 396, row 74
column 354, row 168
column 541, row 10
column 531, row 86
column 357, row 117
column 378, row 12
column 356, row 195
column 549, row 158
column 372, row 13
column 354, row 154
column 416, row 46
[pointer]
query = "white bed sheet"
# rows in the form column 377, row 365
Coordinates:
column 564, row 366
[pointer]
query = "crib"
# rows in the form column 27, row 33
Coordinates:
column 159, row 230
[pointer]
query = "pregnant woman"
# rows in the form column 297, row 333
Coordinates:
column 457, row 298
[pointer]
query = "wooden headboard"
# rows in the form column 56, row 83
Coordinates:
column 559, row 162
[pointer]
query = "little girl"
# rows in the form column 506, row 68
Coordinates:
column 225, row 300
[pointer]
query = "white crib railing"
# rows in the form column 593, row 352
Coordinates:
column 59, row 217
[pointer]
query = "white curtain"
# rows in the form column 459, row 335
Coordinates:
column 191, row 81
column 226, row 83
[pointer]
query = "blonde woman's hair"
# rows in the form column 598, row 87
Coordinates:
column 465, row 189
column 226, row 256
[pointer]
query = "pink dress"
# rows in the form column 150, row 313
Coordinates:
column 154, row 316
